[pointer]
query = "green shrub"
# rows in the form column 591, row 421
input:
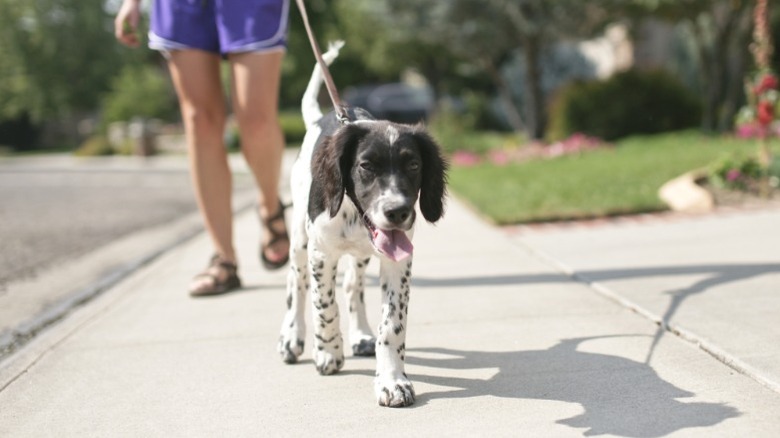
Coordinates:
column 292, row 126
column 97, row 145
column 232, row 138
column 739, row 172
column 628, row 103
column 290, row 121
column 734, row 172
column 454, row 131
column 140, row 91
column 449, row 128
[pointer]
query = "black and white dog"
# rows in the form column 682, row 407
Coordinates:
column 354, row 189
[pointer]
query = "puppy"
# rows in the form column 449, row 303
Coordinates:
column 354, row 189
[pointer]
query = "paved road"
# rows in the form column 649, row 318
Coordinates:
column 56, row 208
column 51, row 213
column 70, row 226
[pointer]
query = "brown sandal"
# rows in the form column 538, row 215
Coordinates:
column 217, row 286
column 276, row 237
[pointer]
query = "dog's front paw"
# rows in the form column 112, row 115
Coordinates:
column 394, row 392
column 328, row 362
column 290, row 347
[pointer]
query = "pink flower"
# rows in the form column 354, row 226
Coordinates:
column 766, row 112
column 749, row 130
column 465, row 159
column 579, row 141
column 756, row 130
column 768, row 82
column 555, row 150
column 499, row 157
column 733, row 175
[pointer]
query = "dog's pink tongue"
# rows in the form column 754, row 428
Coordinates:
column 393, row 243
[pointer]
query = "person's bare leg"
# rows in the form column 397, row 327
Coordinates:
column 196, row 79
column 256, row 78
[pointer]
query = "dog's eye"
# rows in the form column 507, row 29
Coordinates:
column 366, row 166
column 414, row 166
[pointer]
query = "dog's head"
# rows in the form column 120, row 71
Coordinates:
column 383, row 167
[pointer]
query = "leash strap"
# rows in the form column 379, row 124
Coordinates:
column 341, row 111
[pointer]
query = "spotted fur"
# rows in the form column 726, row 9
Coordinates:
column 347, row 179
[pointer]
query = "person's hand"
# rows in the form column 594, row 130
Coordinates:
column 126, row 23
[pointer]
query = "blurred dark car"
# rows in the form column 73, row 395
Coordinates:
column 397, row 102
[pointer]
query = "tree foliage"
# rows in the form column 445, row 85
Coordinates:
column 374, row 52
column 56, row 57
column 139, row 90
column 480, row 35
column 59, row 57
column 720, row 34
column 628, row 103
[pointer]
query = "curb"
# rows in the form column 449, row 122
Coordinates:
column 183, row 230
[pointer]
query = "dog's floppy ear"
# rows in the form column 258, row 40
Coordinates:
column 331, row 163
column 434, row 176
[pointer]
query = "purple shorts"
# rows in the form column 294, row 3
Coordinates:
column 219, row 26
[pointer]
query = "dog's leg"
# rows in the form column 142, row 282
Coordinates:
column 391, row 385
column 294, row 326
column 328, row 345
column 360, row 337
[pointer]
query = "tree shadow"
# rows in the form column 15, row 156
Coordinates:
column 717, row 274
column 721, row 273
column 619, row 396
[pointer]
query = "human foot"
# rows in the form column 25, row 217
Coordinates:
column 219, row 277
column 274, row 251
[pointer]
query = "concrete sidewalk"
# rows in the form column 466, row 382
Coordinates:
column 501, row 342
column 75, row 226
column 712, row 279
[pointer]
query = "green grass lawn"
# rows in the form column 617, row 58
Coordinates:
column 622, row 180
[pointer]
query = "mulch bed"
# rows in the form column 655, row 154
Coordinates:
column 739, row 198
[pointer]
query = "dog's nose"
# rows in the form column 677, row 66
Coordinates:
column 397, row 215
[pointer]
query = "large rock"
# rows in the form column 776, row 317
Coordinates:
column 684, row 194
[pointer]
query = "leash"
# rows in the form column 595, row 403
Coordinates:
column 341, row 110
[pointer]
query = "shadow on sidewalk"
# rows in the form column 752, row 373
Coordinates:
column 720, row 274
column 619, row 396
column 717, row 274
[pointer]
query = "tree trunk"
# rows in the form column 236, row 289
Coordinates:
column 709, row 76
column 717, row 58
column 504, row 96
column 534, row 96
column 738, row 63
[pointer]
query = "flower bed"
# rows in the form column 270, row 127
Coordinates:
column 575, row 144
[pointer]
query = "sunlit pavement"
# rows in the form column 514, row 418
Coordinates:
column 509, row 335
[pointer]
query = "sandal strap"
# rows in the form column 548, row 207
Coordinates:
column 276, row 236
column 218, row 285
column 278, row 215
column 218, row 262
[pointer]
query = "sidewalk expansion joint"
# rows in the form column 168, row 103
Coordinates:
column 665, row 326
